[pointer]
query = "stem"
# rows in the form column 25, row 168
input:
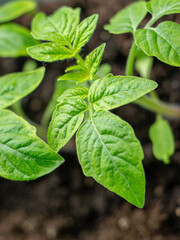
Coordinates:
column 151, row 103
column 17, row 108
column 154, row 95
column 130, row 60
column 41, row 131
column 151, row 22
column 79, row 58
column 47, row 114
column 159, row 107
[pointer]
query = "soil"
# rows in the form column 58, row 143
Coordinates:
column 65, row 205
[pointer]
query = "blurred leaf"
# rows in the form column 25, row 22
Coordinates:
column 143, row 64
column 14, row 9
column 162, row 139
column 29, row 65
column 14, row 40
column 103, row 70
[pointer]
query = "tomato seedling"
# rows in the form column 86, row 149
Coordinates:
column 107, row 147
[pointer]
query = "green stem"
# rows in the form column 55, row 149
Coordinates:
column 41, row 131
column 154, row 95
column 17, row 108
column 47, row 113
column 151, row 103
column 151, row 22
column 79, row 58
column 130, row 60
column 159, row 107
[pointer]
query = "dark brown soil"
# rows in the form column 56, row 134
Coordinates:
column 65, row 205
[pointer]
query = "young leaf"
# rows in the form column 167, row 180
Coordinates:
column 14, row 40
column 78, row 76
column 163, row 7
column 50, row 52
column 23, row 156
column 103, row 70
column 74, row 92
column 162, row 42
column 84, row 31
column 59, row 27
column 112, row 92
column 12, row 10
column 65, row 121
column 128, row 19
column 163, row 140
column 74, row 68
column 93, row 60
column 15, row 86
column 109, row 152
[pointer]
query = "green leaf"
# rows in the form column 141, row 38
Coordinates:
column 74, row 92
column 128, row 19
column 162, row 138
column 23, row 156
column 78, row 76
column 163, row 7
column 65, row 121
column 49, row 52
column 109, row 152
column 60, row 26
column 15, row 86
column 14, row 40
column 103, row 70
column 93, row 60
column 162, row 42
column 84, row 31
column 12, row 10
column 112, row 92
column 143, row 64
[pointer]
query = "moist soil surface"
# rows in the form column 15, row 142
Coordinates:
column 65, row 205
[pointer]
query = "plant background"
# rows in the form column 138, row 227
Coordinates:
column 65, row 205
